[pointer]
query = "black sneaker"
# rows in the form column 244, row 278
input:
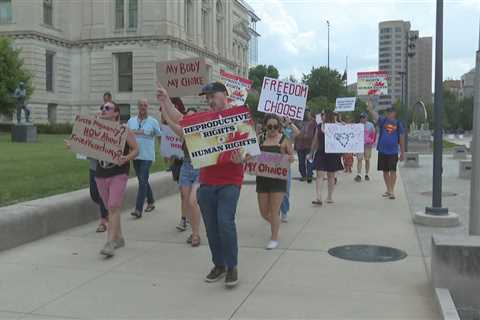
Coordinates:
column 216, row 274
column 231, row 279
column 303, row 179
column 309, row 180
column 358, row 178
column 367, row 178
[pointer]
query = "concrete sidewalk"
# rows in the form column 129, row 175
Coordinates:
column 158, row 276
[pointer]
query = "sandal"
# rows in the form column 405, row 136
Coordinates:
column 150, row 207
column 189, row 239
column 317, row 202
column 392, row 197
column 386, row 195
column 102, row 227
column 330, row 201
column 195, row 241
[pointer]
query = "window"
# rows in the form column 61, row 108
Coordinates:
column 385, row 49
column 49, row 63
column 48, row 12
column 124, row 112
column 119, row 14
column 385, row 43
column 220, row 27
column 52, row 113
column 398, row 48
column 386, row 30
column 398, row 29
column 383, row 55
column 398, row 35
column 384, row 61
column 125, row 71
column 5, row 11
column 189, row 17
column 132, row 14
column 385, row 37
column 398, row 60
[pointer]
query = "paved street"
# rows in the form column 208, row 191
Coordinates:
column 158, row 276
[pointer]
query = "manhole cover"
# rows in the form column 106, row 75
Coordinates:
column 367, row 253
column 444, row 194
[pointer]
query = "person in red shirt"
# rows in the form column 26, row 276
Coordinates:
column 218, row 193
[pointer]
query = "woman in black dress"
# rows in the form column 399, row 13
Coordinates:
column 271, row 191
column 324, row 162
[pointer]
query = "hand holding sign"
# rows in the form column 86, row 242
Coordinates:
column 162, row 94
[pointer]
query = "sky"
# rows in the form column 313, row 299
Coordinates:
column 294, row 32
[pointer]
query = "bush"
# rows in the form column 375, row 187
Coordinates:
column 58, row 128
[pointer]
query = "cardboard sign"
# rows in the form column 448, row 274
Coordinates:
column 283, row 98
column 344, row 138
column 372, row 83
column 345, row 104
column 211, row 137
column 183, row 77
column 268, row 164
column 237, row 88
column 170, row 143
column 98, row 139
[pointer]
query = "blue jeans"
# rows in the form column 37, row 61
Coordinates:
column 95, row 196
column 285, row 206
column 142, row 170
column 219, row 205
column 305, row 167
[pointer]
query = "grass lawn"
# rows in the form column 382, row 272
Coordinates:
column 449, row 145
column 37, row 170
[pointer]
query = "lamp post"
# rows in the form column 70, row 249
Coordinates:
column 436, row 208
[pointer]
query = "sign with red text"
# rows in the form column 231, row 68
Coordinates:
column 184, row 77
column 237, row 88
column 283, row 98
column 170, row 144
column 372, row 83
column 211, row 137
column 268, row 164
column 98, row 139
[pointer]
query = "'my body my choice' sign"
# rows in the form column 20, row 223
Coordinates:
column 183, row 77
column 283, row 98
column 98, row 139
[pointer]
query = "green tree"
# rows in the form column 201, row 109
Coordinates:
column 452, row 113
column 466, row 113
column 12, row 72
column 324, row 82
column 257, row 73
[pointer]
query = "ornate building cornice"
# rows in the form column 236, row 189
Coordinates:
column 124, row 40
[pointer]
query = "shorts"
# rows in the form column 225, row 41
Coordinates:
column 188, row 175
column 112, row 190
column 367, row 153
column 387, row 162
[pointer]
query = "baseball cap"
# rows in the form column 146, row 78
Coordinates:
column 213, row 87
column 363, row 115
column 390, row 109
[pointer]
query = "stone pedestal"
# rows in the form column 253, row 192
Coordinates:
column 460, row 153
column 465, row 169
column 455, row 262
column 412, row 160
column 24, row 133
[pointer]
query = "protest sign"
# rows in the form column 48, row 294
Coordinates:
column 170, row 144
column 98, row 139
column 345, row 104
column 318, row 118
column 372, row 83
column 268, row 164
column 283, row 98
column 344, row 138
column 211, row 137
column 184, row 77
column 237, row 88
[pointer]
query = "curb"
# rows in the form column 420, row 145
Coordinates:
column 32, row 220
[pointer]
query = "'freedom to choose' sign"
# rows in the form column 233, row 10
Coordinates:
column 283, row 98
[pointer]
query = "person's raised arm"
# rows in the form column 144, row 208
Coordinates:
column 172, row 124
column 370, row 109
column 165, row 103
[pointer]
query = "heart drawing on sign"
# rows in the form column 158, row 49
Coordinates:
column 343, row 138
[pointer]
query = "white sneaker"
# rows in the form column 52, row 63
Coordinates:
column 284, row 218
column 273, row 244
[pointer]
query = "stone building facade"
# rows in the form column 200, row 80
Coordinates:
column 77, row 50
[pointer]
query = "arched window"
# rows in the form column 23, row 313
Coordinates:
column 220, row 26
column 188, row 18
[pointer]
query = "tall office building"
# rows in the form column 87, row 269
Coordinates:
column 403, row 55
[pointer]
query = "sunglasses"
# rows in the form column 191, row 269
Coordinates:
column 106, row 108
column 272, row 127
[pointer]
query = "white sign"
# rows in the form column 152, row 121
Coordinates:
column 344, row 138
column 318, row 118
column 283, row 98
column 345, row 104
column 171, row 144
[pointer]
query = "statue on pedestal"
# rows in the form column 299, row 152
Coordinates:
column 20, row 97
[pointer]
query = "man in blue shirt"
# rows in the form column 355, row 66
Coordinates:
column 391, row 141
column 145, row 128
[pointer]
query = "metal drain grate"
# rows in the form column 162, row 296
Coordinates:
column 367, row 253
